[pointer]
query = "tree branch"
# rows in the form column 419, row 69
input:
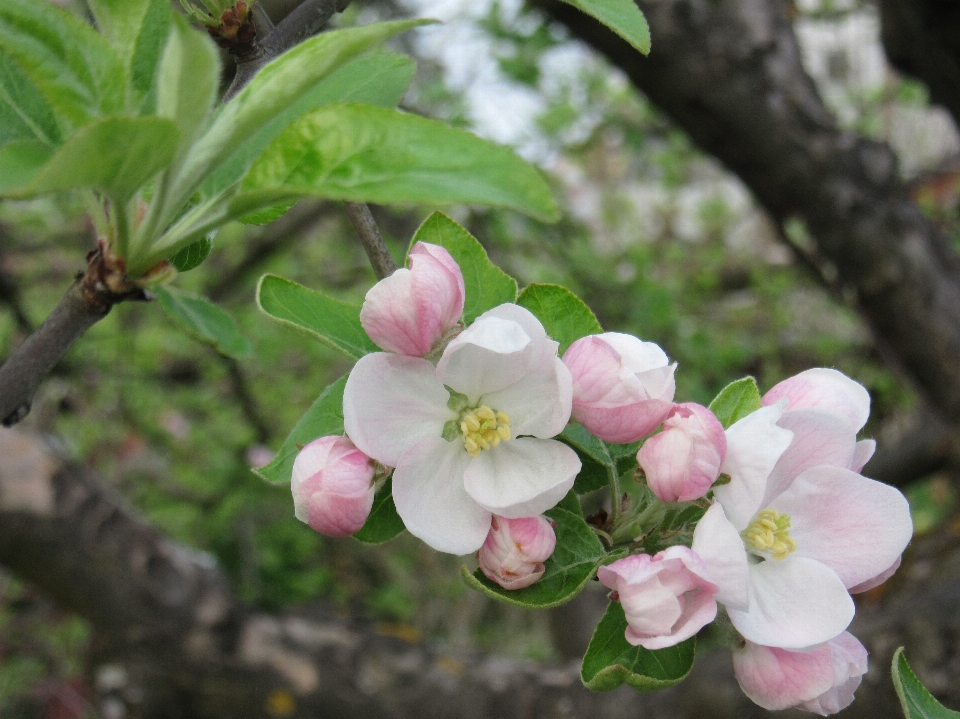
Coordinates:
column 371, row 239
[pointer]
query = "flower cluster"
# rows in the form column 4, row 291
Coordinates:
column 467, row 420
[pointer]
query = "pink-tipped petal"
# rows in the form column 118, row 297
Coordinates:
column 877, row 580
column 515, row 550
column 780, row 679
column 332, row 486
column 825, row 388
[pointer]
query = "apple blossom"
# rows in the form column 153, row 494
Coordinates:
column 515, row 549
column 666, row 598
column 332, row 486
column 411, row 310
column 795, row 529
column 622, row 387
column 683, row 460
column 821, row 680
column 469, row 437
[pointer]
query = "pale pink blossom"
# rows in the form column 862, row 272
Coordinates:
column 796, row 529
column 469, row 437
column 622, row 387
column 821, row 680
column 332, row 486
column 412, row 309
column 666, row 598
column 683, row 460
column 515, row 550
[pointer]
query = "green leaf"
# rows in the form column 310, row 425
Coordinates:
column 571, row 503
column 916, row 701
column 594, row 457
column 323, row 419
column 610, row 660
column 24, row 113
column 189, row 79
column 276, row 86
column 116, row 155
column 384, row 523
column 20, row 162
column 74, row 68
column 564, row 315
column 736, row 401
column 576, row 558
column 150, row 44
column 335, row 323
column 120, row 22
column 621, row 16
column 204, row 321
column 268, row 215
column 375, row 80
column 373, row 154
column 486, row 285
column 192, row 255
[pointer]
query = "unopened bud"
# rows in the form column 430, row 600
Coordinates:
column 515, row 550
column 332, row 486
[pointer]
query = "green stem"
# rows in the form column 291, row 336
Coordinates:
column 122, row 221
column 616, row 492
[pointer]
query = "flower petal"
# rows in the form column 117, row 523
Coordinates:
column 489, row 355
column 877, row 580
column 854, row 525
column 522, row 477
column 754, row 445
column 795, row 603
column 719, row 545
column 430, row 499
column 825, row 388
column 779, row 679
column 862, row 454
column 392, row 402
column 539, row 403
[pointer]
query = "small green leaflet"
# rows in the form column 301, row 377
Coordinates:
column 576, row 558
column 621, row 16
column 24, row 113
column 192, row 255
column 204, row 321
column 150, row 43
column 323, row 419
column 384, row 523
column 20, row 162
column 610, row 660
column 916, row 701
column 564, row 315
column 373, row 154
column 120, row 22
column 485, row 284
column 597, row 457
column 335, row 323
column 736, row 401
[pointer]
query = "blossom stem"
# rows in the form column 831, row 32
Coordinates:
column 616, row 492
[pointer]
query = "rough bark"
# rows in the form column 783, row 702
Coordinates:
column 729, row 73
column 181, row 646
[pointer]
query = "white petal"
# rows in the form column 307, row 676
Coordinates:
column 826, row 388
column 489, row 355
column 522, row 316
column 522, row 477
column 754, row 445
column 718, row 544
column 795, row 603
column 862, row 454
column 854, row 525
column 430, row 499
column 539, row 404
column 638, row 356
column 392, row 402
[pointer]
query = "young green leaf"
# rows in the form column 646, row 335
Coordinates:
column 120, row 22
column 375, row 80
column 611, row 660
column 74, row 68
column 576, row 558
column 323, row 419
column 335, row 323
column 915, row 700
column 192, row 255
column 736, row 401
column 384, row 523
column 20, row 162
column 116, row 155
column 594, row 457
column 150, row 43
column 486, row 285
column 373, row 154
column 564, row 315
column 204, row 321
column 621, row 16
column 24, row 113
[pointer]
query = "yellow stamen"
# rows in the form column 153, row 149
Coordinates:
column 770, row 532
column 484, row 428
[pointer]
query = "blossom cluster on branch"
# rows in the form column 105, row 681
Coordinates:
column 472, row 423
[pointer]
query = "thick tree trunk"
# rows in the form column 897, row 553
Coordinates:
column 729, row 73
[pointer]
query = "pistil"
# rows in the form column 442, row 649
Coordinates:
column 770, row 532
column 483, row 428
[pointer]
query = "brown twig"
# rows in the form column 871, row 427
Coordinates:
column 376, row 249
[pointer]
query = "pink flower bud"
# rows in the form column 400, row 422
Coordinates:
column 332, row 486
column 515, row 549
column 666, row 598
column 409, row 311
column 622, row 387
column 820, row 680
column 683, row 461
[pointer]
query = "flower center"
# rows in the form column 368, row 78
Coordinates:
column 484, row 428
column 770, row 532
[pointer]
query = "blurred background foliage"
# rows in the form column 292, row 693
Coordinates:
column 657, row 238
